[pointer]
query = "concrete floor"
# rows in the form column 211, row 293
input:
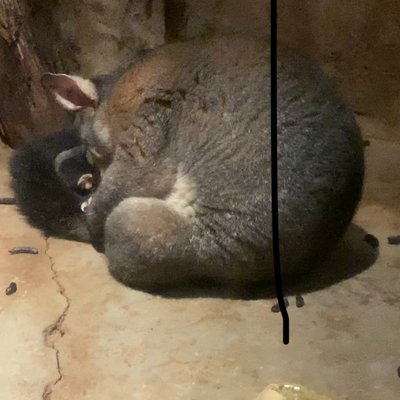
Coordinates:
column 71, row 332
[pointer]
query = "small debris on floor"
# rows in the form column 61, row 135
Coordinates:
column 398, row 372
column 23, row 250
column 394, row 239
column 366, row 143
column 275, row 308
column 371, row 240
column 12, row 288
column 299, row 301
column 7, row 200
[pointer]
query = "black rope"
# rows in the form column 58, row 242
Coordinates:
column 274, row 171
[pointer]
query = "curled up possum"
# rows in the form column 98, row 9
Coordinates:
column 182, row 140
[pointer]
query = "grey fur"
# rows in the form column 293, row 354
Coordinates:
column 206, row 122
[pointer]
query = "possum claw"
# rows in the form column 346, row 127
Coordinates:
column 86, row 204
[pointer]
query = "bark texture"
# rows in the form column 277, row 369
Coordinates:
column 356, row 42
column 25, row 108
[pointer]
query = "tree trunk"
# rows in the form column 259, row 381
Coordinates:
column 25, row 108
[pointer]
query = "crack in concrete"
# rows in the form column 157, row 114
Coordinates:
column 55, row 330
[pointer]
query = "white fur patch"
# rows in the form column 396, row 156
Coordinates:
column 86, row 86
column 102, row 132
column 183, row 197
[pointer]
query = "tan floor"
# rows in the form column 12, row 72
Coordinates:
column 70, row 332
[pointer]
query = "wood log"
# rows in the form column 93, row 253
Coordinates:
column 26, row 110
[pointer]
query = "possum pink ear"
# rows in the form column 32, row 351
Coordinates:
column 72, row 92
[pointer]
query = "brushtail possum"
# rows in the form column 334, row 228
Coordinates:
column 182, row 139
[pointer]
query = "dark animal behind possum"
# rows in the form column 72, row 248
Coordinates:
column 49, row 201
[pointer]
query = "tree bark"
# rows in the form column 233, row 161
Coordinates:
column 26, row 110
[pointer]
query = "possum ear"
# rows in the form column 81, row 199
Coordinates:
column 72, row 92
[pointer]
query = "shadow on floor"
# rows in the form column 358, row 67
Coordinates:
column 353, row 256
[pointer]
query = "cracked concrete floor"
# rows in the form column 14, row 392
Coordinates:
column 71, row 332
